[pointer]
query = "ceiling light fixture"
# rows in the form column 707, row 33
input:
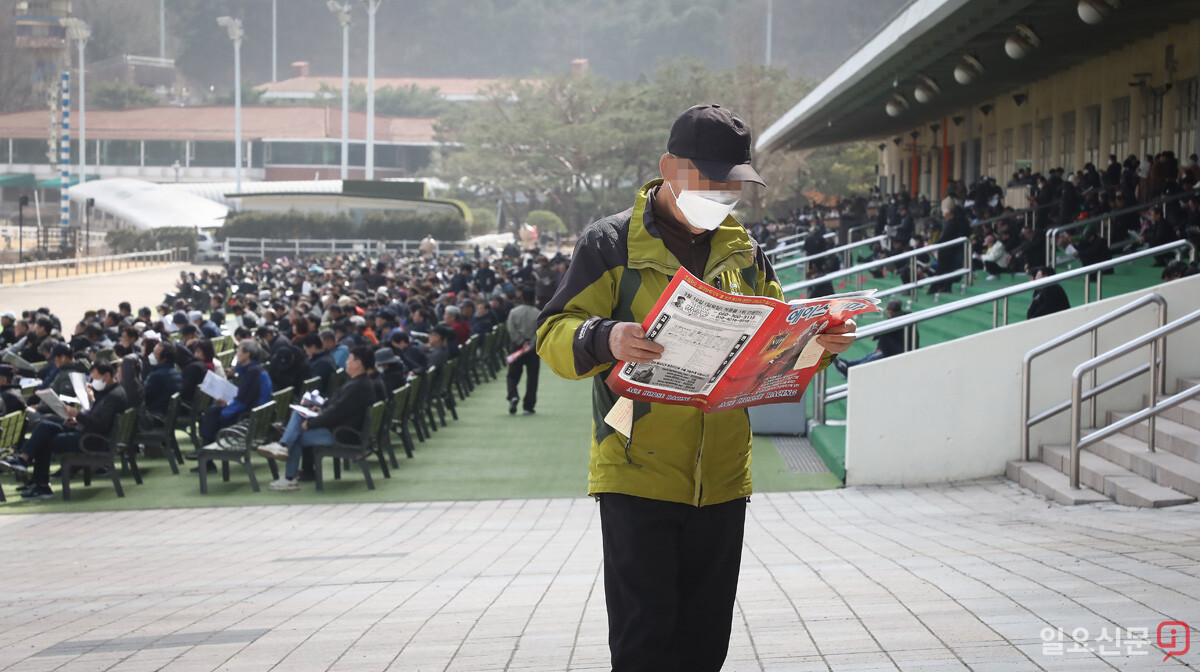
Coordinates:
column 1021, row 43
column 926, row 90
column 968, row 70
column 897, row 105
column 1093, row 12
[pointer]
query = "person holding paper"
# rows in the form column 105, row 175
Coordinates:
column 672, row 482
column 346, row 408
column 49, row 438
column 254, row 389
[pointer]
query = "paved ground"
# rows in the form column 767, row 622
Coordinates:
column 971, row 576
column 69, row 298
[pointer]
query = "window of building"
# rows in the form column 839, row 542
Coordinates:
column 165, row 152
column 1006, row 156
column 120, row 153
column 1045, row 144
column 1152, row 118
column 1120, row 128
column 1091, row 135
column 1066, row 156
column 213, row 154
column 1025, row 149
column 1185, row 117
column 990, row 154
column 27, row 150
column 305, row 154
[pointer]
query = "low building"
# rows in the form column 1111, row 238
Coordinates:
column 196, row 144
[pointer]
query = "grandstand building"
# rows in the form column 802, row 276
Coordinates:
column 957, row 89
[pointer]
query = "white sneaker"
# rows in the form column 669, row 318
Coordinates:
column 284, row 483
column 991, row 277
column 274, row 451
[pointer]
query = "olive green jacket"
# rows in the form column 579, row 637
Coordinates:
column 619, row 269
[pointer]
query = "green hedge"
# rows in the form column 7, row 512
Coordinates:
column 376, row 225
column 121, row 241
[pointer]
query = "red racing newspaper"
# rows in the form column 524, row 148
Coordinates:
column 723, row 351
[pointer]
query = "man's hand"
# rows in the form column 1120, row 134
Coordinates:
column 71, row 411
column 627, row 342
column 838, row 338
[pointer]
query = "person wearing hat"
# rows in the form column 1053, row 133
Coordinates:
column 207, row 328
column 8, row 332
column 887, row 344
column 672, row 493
column 12, row 397
column 57, row 375
column 441, row 340
column 391, row 368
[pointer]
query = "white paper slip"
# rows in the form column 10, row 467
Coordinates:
column 79, row 384
column 810, row 355
column 620, row 416
column 305, row 412
column 29, row 382
column 54, row 403
column 218, row 388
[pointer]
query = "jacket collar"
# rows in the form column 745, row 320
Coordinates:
column 730, row 244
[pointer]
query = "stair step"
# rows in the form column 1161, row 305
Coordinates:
column 1170, row 436
column 1111, row 479
column 1187, row 413
column 1182, row 384
column 1050, row 483
column 1162, row 467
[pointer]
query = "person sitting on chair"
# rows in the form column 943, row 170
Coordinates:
column 346, row 408
column 50, row 438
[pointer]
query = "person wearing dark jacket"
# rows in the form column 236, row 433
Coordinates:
column 164, row 379
column 346, row 408
column 1048, row 299
column 49, row 438
column 950, row 259
column 12, row 398
column 320, row 360
column 254, row 389
column 414, row 355
column 391, row 369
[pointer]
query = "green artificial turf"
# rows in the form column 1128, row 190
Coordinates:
column 486, row 454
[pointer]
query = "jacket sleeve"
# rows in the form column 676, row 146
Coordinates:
column 342, row 406
column 573, row 328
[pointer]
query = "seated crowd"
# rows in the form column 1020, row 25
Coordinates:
column 352, row 328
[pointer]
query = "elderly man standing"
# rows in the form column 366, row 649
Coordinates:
column 673, row 493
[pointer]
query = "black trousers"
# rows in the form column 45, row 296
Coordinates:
column 670, row 579
column 531, row 364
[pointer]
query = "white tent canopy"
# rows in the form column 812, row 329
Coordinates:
column 145, row 205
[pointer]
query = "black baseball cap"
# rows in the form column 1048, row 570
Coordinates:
column 717, row 141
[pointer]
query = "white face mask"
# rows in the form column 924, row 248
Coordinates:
column 705, row 209
column 98, row 385
column 152, row 359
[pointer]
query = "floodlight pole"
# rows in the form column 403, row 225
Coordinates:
column 234, row 26
column 162, row 29
column 372, row 7
column 342, row 11
column 274, row 41
column 80, row 32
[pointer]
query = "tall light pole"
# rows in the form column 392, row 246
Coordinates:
column 162, row 29
column 770, row 11
column 342, row 10
column 234, row 26
column 372, row 7
column 80, row 32
column 274, row 41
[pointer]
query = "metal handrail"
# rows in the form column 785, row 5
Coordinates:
column 911, row 255
column 842, row 249
column 823, row 396
column 1157, row 341
column 106, row 262
column 1105, row 220
column 786, row 249
column 1091, row 328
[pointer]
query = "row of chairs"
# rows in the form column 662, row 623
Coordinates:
column 416, row 409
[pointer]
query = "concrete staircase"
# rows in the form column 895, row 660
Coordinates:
column 1120, row 468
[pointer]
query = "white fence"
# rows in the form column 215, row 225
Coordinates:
column 269, row 248
column 66, row 268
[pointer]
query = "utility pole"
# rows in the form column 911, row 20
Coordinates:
column 234, row 26
column 770, row 11
column 342, row 11
column 274, row 41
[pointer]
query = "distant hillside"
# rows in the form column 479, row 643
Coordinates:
column 622, row 39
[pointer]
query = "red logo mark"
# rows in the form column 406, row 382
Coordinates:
column 1174, row 637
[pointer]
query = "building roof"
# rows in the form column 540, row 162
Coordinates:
column 930, row 37
column 452, row 88
column 149, row 206
column 217, row 123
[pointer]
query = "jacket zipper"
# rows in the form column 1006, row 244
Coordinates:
column 698, row 473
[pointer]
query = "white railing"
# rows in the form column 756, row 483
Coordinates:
column 265, row 248
column 66, row 268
